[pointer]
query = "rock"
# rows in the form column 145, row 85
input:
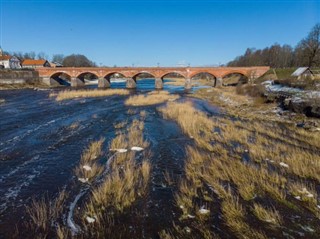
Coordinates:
column 135, row 148
column 304, row 105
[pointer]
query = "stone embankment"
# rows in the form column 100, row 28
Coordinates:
column 9, row 77
column 297, row 100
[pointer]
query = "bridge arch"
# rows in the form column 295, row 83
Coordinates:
column 144, row 74
column 62, row 78
column 114, row 74
column 172, row 73
column 204, row 75
column 87, row 76
column 234, row 78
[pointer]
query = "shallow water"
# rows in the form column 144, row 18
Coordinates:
column 39, row 150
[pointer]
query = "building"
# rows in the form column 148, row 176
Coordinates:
column 303, row 73
column 30, row 63
column 55, row 64
column 9, row 62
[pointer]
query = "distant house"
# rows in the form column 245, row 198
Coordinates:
column 30, row 63
column 9, row 62
column 55, row 64
column 302, row 73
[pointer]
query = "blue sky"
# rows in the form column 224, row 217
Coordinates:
column 145, row 33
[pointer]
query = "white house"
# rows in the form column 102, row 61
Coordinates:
column 303, row 72
column 9, row 62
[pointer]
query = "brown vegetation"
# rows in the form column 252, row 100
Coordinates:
column 72, row 94
column 126, row 182
column 278, row 157
column 152, row 98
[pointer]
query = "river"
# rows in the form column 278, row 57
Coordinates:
column 39, row 150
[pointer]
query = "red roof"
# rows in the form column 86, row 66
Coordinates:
column 33, row 62
column 4, row 58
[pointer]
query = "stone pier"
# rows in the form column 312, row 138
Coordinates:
column 103, row 83
column 131, row 83
column 76, row 82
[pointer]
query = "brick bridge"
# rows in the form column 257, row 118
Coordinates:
column 76, row 74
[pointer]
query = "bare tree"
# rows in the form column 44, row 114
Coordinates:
column 42, row 55
column 58, row 58
column 310, row 47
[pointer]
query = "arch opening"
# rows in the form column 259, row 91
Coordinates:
column 204, row 78
column 173, row 78
column 234, row 79
column 88, row 78
column 62, row 78
column 116, row 79
column 146, row 80
column 143, row 76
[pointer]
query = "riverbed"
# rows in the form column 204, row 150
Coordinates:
column 41, row 142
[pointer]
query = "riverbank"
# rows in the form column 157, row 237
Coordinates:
column 23, row 86
column 257, row 108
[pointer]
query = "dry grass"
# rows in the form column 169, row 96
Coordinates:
column 74, row 125
column 120, row 125
column 88, row 167
column 194, row 123
column 152, row 98
column 72, row 94
column 220, row 165
column 44, row 213
column 234, row 215
column 121, row 188
column 132, row 137
column 271, row 216
column 127, row 181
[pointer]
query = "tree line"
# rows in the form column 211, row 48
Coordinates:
column 305, row 53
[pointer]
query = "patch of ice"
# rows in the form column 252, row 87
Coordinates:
column 191, row 216
column 83, row 180
column 135, row 148
column 282, row 164
column 87, row 168
column 121, row 150
column 309, row 195
column 298, row 198
column 203, row 210
column 90, row 219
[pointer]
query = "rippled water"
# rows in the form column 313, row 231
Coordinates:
column 39, row 150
